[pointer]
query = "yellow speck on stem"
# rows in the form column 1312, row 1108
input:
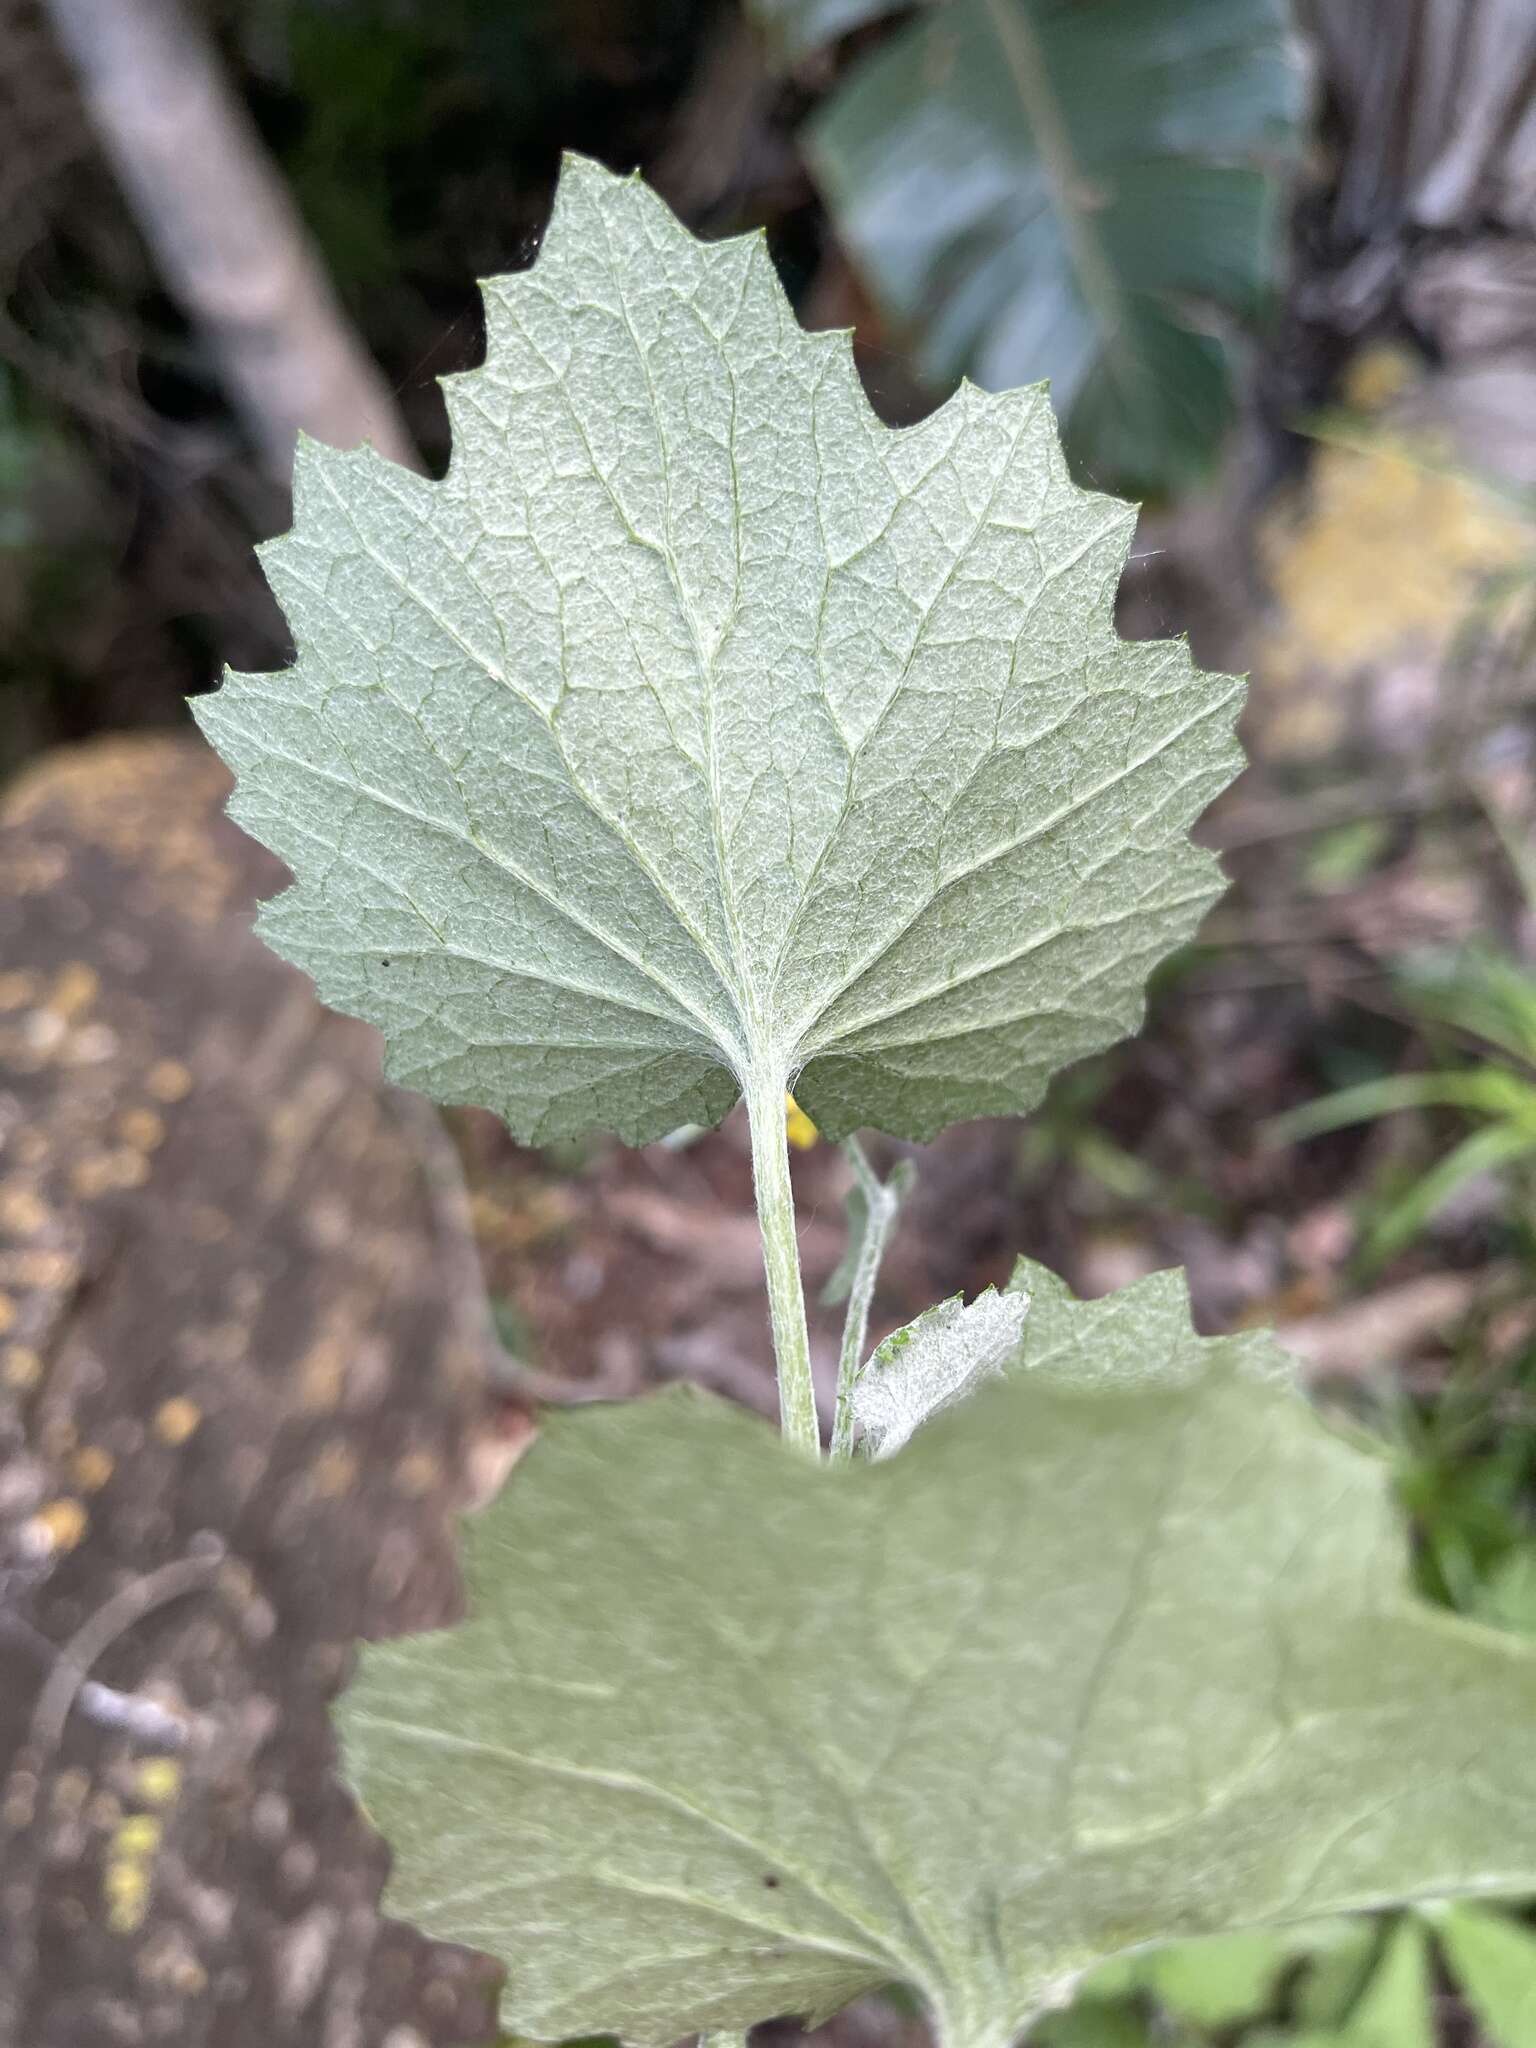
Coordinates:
column 799, row 1129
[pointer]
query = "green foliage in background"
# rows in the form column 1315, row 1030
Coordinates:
column 1341, row 1983
column 376, row 109
column 1485, row 1003
column 1082, row 190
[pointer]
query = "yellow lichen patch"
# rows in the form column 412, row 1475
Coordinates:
column 334, row 1472
column 20, row 1367
column 798, row 1128
column 7, row 1313
column 17, row 990
column 168, row 1080
column 21, row 1209
column 60, row 1524
column 143, row 1129
column 157, row 1780
column 1389, row 551
column 176, row 1419
column 91, row 1467
column 1377, row 376
column 74, row 990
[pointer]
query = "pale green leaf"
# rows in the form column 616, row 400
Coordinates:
column 1094, row 1663
column 1494, row 1961
column 1141, row 1334
column 696, row 729
column 931, row 1363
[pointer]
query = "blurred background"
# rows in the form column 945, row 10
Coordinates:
column 1278, row 260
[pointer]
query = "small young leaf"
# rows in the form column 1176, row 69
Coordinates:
column 933, row 1362
column 1101, row 1659
column 1494, row 1961
column 698, row 731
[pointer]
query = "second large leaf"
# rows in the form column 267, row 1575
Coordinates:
column 1083, row 190
column 1118, row 1652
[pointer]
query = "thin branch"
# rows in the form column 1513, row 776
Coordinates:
column 881, row 1200
column 224, row 232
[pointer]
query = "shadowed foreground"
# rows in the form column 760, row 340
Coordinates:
column 240, row 1354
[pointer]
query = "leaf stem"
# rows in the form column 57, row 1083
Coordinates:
column 781, row 1256
column 882, row 1199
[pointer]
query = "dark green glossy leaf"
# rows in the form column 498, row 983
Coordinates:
column 1082, row 190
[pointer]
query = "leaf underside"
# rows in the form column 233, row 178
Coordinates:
column 1119, row 1651
column 696, row 728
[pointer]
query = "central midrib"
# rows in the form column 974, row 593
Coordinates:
column 758, row 1047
